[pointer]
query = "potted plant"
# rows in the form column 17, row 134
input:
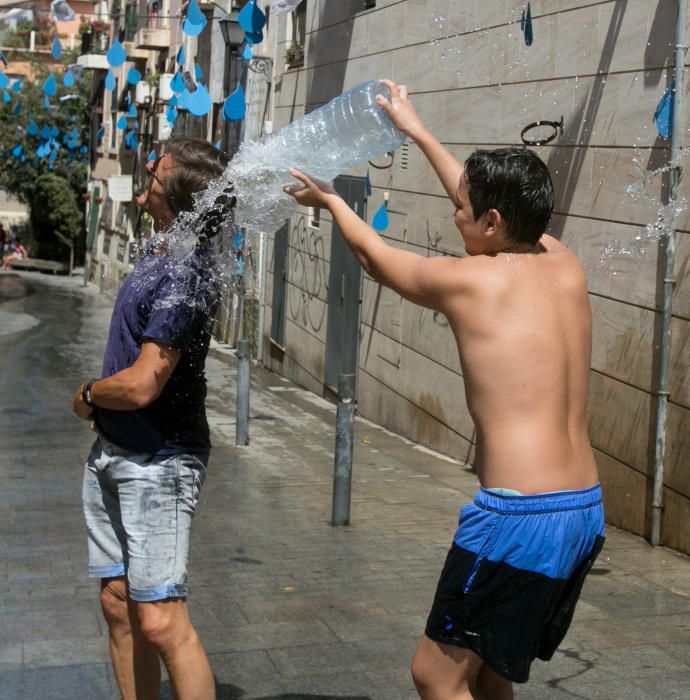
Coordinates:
column 294, row 55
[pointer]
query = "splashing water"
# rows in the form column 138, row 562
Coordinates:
column 349, row 130
column 666, row 215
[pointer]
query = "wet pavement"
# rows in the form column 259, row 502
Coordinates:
column 287, row 606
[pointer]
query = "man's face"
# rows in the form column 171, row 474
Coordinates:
column 152, row 199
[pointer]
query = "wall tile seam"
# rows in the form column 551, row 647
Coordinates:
column 439, row 251
column 417, row 406
column 476, row 30
column 399, row 342
column 633, row 468
column 634, row 304
column 619, row 222
column 303, row 329
column 356, row 14
column 649, row 393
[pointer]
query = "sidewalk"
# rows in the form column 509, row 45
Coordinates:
column 286, row 605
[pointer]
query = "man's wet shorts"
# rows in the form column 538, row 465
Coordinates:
column 514, row 573
column 139, row 510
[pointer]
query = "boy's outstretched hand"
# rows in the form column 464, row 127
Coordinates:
column 401, row 111
column 312, row 192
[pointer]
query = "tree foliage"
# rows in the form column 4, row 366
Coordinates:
column 66, row 118
column 54, row 214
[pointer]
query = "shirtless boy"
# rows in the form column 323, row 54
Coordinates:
column 518, row 307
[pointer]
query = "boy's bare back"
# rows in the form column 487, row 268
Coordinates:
column 522, row 322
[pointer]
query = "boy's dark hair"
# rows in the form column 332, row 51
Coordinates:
column 515, row 182
column 198, row 162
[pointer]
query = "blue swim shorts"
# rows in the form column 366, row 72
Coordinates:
column 139, row 510
column 513, row 575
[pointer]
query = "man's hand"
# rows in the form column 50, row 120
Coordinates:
column 79, row 407
column 400, row 110
column 312, row 192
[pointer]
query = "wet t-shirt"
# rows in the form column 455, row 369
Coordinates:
column 171, row 302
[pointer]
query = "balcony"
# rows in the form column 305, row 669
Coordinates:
column 94, row 46
column 153, row 37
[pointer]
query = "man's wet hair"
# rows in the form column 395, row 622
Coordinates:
column 515, row 182
column 197, row 164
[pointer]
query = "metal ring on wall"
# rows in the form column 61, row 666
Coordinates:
column 391, row 155
column 556, row 126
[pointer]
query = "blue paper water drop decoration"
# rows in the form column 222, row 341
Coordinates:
column 177, row 82
column 17, row 109
column 380, row 220
column 132, row 111
column 32, row 129
column 133, row 76
column 235, row 107
column 254, row 37
column 663, row 116
column 4, row 81
column 180, row 55
column 199, row 101
column 367, row 186
column 171, row 114
column 54, row 132
column 46, row 102
column 16, row 86
column 6, row 96
column 57, row 49
column 173, row 101
column 45, row 132
column 528, row 26
column 68, row 79
column 100, row 133
column 122, row 122
column 217, row 145
column 198, row 73
column 50, row 86
column 251, row 18
column 17, row 150
column 247, row 53
column 195, row 21
column 152, row 156
column 110, row 82
column 116, row 54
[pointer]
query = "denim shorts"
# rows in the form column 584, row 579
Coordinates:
column 139, row 509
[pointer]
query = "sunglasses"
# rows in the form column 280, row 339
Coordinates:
column 152, row 176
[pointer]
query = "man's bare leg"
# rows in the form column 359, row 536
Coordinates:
column 491, row 686
column 166, row 624
column 445, row 672
column 135, row 662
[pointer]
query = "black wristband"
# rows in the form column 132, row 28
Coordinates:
column 86, row 393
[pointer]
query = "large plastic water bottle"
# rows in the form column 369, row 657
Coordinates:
column 351, row 129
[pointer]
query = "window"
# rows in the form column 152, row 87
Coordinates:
column 314, row 217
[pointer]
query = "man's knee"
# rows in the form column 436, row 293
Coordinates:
column 113, row 599
column 166, row 623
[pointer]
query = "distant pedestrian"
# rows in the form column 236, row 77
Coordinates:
column 518, row 307
column 17, row 252
column 145, row 471
column 3, row 239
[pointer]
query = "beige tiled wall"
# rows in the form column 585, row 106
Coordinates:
column 603, row 66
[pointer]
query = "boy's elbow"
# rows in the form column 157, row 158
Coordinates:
column 143, row 394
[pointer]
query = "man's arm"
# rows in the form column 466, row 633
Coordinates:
column 405, row 118
column 429, row 282
column 134, row 387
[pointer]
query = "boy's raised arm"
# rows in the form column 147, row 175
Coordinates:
column 405, row 118
column 430, row 282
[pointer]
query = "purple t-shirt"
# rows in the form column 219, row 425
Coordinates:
column 171, row 302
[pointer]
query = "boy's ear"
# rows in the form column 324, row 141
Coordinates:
column 494, row 222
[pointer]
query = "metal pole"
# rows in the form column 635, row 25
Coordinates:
column 262, row 296
column 242, row 425
column 669, row 250
column 101, row 278
column 342, row 469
